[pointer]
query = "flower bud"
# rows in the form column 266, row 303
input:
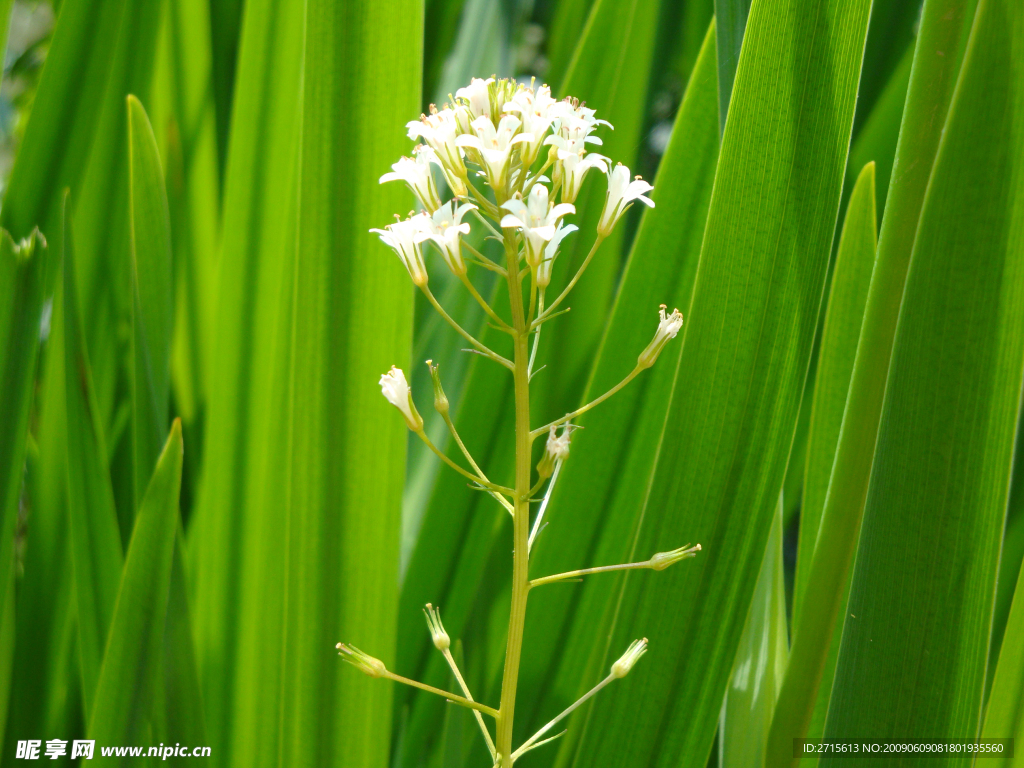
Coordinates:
column 636, row 649
column 556, row 450
column 361, row 661
column 441, row 640
column 667, row 329
column 663, row 560
column 396, row 389
column 440, row 399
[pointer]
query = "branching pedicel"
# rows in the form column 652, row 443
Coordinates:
column 498, row 129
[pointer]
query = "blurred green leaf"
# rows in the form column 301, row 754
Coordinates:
column 744, row 357
column 96, row 550
column 731, row 16
column 568, row 20
column 132, row 660
column 937, row 499
column 760, row 663
column 352, row 319
column 1004, row 716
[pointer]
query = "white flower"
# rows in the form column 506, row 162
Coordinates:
column 632, row 655
column 396, row 390
column 535, row 220
column 573, row 164
column 621, row 193
column 495, row 145
column 667, row 329
column 550, row 252
column 416, row 173
column 576, row 121
column 556, row 450
column 401, row 236
column 439, row 130
column 534, row 110
column 444, row 227
column 478, row 97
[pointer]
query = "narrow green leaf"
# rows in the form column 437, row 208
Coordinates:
column 937, row 498
column 237, row 527
column 96, row 550
column 441, row 21
column 352, row 320
column 891, row 32
column 132, row 660
column 760, row 663
column 843, row 319
column 743, row 362
column 1004, row 717
column 732, row 22
column 153, row 293
column 811, row 665
column 569, row 17
column 593, row 509
column 226, row 21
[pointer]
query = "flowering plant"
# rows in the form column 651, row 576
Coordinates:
column 488, row 146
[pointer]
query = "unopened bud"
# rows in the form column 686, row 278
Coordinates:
column 556, row 450
column 361, row 661
column 636, row 649
column 441, row 640
column 667, row 329
column 440, row 399
column 396, row 389
column 663, row 560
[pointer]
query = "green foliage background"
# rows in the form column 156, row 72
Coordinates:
column 201, row 489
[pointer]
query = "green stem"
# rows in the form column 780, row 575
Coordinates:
column 482, row 348
column 569, row 416
column 588, row 571
column 572, row 283
column 482, row 482
column 454, row 698
column 521, row 514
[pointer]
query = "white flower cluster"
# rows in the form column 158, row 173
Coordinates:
column 494, row 131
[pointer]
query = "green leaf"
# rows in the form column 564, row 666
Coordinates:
column 843, row 319
column 132, row 660
column 760, row 663
column 1004, row 717
column 811, row 665
column 743, row 361
column 96, row 550
column 153, row 292
column 236, row 530
column 569, row 17
column 928, row 94
column 594, row 505
column 23, row 268
column 731, row 16
column 352, row 320
column 937, row 498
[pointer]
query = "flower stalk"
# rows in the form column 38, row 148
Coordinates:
column 495, row 132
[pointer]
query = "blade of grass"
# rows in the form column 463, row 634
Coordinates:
column 731, row 16
column 743, row 362
column 929, row 93
column 96, row 551
column 352, row 319
column 937, row 499
column 132, row 660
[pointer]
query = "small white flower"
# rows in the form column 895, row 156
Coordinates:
column 478, row 97
column 550, row 252
column 416, row 173
column 534, row 109
column 495, row 145
column 396, row 389
column 621, row 194
column 444, row 228
column 535, row 220
column 439, row 130
column 576, row 122
column 632, row 655
column 668, row 327
column 573, row 163
column 555, row 450
column 401, row 236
